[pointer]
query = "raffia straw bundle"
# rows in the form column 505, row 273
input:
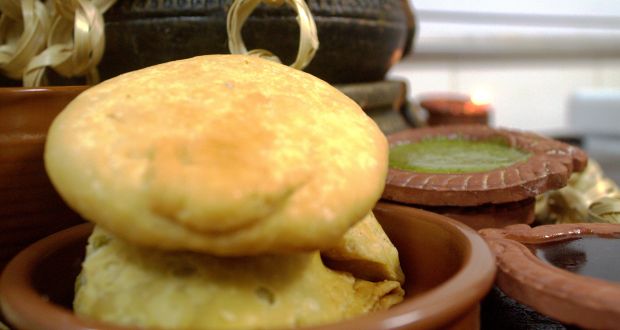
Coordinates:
column 588, row 197
column 75, row 43
column 239, row 12
column 23, row 28
column 68, row 36
column 65, row 35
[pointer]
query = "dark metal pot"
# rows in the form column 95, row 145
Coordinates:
column 359, row 39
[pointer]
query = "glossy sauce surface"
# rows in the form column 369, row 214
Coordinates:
column 595, row 256
column 443, row 155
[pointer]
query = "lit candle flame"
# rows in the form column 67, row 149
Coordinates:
column 478, row 103
column 480, row 98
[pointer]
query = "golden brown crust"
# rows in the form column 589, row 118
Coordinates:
column 366, row 252
column 224, row 154
column 127, row 285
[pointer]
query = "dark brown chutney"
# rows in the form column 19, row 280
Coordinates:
column 590, row 255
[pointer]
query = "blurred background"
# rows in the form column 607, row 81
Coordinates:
column 549, row 66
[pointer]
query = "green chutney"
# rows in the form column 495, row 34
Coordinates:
column 442, row 155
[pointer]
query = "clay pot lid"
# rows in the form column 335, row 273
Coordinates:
column 548, row 166
column 560, row 270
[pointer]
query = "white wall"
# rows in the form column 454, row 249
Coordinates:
column 561, row 7
column 526, row 94
column 528, row 56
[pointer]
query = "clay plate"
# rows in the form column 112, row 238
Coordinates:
column 549, row 167
column 559, row 292
column 449, row 269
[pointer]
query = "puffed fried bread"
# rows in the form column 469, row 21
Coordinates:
column 140, row 287
column 366, row 252
column 229, row 155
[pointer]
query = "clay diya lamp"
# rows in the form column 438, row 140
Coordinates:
column 569, row 272
column 479, row 175
column 453, row 108
column 449, row 269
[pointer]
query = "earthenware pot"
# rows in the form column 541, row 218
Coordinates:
column 30, row 208
column 448, row 267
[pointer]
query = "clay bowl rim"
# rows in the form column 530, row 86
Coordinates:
column 549, row 166
column 549, row 289
column 43, row 89
column 427, row 310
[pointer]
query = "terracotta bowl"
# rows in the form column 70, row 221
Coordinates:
column 449, row 269
column 30, row 208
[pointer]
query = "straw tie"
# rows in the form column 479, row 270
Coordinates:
column 23, row 26
column 240, row 10
column 75, row 43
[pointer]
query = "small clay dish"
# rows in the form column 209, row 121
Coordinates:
column 569, row 272
column 30, row 208
column 497, row 172
column 453, row 109
column 448, row 267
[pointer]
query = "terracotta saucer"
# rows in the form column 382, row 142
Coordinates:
column 570, row 272
column 507, row 188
